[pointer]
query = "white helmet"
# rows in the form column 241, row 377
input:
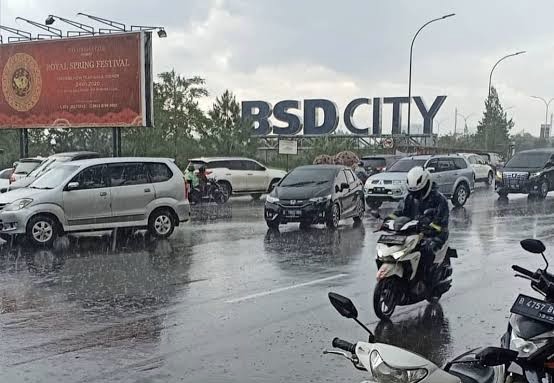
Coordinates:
column 419, row 182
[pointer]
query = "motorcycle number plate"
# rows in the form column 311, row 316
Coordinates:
column 533, row 308
column 392, row 239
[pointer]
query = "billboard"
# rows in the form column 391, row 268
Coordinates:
column 97, row 81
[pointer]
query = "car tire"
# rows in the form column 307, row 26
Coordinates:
column 460, row 196
column 360, row 210
column 333, row 217
column 256, row 196
column 42, row 230
column 225, row 188
column 490, row 179
column 304, row 225
column 161, row 223
column 543, row 189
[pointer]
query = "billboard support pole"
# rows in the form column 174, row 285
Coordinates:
column 118, row 142
column 114, row 142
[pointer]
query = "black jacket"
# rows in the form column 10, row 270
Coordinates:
column 413, row 208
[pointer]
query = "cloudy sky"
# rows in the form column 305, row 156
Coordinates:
column 340, row 50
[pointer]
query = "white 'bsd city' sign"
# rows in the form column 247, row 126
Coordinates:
column 258, row 113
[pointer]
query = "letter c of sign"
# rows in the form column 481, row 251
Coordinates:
column 349, row 113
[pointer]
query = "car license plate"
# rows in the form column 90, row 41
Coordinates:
column 379, row 190
column 392, row 239
column 293, row 213
column 533, row 308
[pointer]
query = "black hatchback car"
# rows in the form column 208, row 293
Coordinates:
column 315, row 194
column 529, row 172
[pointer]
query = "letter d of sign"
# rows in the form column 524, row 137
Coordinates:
column 281, row 113
column 257, row 113
column 330, row 117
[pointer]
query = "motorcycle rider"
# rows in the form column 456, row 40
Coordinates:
column 191, row 179
column 423, row 194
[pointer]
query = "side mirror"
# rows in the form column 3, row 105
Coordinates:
column 533, row 246
column 343, row 186
column 431, row 170
column 337, row 189
column 496, row 356
column 272, row 186
column 549, row 164
column 72, row 185
column 343, row 305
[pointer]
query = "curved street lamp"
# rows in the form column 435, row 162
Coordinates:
column 546, row 104
column 498, row 62
column 410, row 76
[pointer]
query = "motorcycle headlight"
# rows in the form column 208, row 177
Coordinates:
column 525, row 347
column 499, row 174
column 271, row 199
column 386, row 374
column 18, row 204
column 321, row 199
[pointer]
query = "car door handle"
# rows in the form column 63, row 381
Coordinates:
column 250, row 174
column 103, row 194
column 147, row 190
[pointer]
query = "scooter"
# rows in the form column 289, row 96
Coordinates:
column 212, row 192
column 399, row 278
column 531, row 326
column 389, row 364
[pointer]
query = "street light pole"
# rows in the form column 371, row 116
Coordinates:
column 546, row 104
column 410, row 75
column 498, row 62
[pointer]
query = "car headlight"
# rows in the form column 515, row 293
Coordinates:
column 321, row 199
column 397, row 182
column 18, row 204
column 271, row 199
column 536, row 174
column 386, row 374
column 499, row 174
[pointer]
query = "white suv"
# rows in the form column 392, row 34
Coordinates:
column 240, row 175
column 483, row 171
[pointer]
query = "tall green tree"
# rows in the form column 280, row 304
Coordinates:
column 494, row 128
column 226, row 133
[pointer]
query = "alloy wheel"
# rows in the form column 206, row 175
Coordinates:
column 162, row 224
column 42, row 231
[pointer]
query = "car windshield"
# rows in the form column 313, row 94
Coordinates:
column 309, row 176
column 529, row 160
column 374, row 162
column 404, row 166
column 26, row 167
column 196, row 164
column 54, row 177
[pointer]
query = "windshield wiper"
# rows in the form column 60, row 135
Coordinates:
column 302, row 183
column 42, row 188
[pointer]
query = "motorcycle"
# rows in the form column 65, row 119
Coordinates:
column 211, row 192
column 531, row 325
column 386, row 364
column 400, row 281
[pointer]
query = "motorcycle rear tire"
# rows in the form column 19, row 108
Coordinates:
column 390, row 287
column 220, row 198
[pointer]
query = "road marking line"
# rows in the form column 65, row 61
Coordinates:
column 269, row 292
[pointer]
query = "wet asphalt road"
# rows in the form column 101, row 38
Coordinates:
column 224, row 300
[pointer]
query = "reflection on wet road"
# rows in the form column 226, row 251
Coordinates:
column 226, row 300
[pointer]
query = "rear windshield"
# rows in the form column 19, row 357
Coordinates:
column 311, row 176
column 529, row 160
column 196, row 164
column 404, row 166
column 374, row 163
column 26, row 167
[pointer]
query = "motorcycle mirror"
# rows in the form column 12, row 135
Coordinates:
column 533, row 246
column 346, row 308
column 496, row 356
column 343, row 305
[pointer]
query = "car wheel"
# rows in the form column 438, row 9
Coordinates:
column 543, row 189
column 460, row 196
column 490, row 179
column 304, row 225
column 333, row 216
column 256, row 196
column 360, row 210
column 42, row 230
column 161, row 223
column 225, row 188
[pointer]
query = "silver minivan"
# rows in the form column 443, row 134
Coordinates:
column 97, row 194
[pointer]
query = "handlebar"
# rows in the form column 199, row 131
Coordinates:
column 523, row 271
column 344, row 345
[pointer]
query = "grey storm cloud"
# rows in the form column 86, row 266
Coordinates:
column 342, row 50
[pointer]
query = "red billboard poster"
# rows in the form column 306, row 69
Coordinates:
column 97, row 81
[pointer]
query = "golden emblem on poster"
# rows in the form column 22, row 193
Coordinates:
column 21, row 82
